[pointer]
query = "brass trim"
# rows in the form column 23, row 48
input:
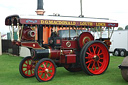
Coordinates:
column 49, row 50
column 86, row 38
column 71, row 51
column 68, row 44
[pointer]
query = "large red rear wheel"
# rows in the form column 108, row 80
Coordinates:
column 94, row 58
column 45, row 70
column 26, row 67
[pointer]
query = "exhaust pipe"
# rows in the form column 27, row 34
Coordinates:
column 40, row 5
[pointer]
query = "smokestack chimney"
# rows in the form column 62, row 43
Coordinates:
column 40, row 10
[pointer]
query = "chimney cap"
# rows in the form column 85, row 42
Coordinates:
column 40, row 12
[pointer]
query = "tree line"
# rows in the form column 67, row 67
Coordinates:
column 121, row 28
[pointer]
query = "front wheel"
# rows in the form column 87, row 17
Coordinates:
column 94, row 58
column 26, row 67
column 45, row 70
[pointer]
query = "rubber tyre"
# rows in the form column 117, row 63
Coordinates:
column 123, row 53
column 85, row 59
column 22, row 63
column 116, row 52
column 70, row 68
column 38, row 65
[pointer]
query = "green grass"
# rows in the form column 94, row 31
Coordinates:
column 9, row 74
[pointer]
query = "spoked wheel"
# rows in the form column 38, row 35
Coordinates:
column 94, row 58
column 26, row 68
column 45, row 70
column 72, row 68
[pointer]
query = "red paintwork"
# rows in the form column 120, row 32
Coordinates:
column 68, row 59
column 31, row 45
column 17, row 43
column 55, row 54
column 26, row 35
column 85, row 35
column 71, row 58
column 74, row 44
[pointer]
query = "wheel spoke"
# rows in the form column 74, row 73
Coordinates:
column 93, row 49
column 89, row 65
column 41, row 75
column 25, row 63
column 41, row 71
column 89, row 54
column 45, row 76
column 93, row 66
column 25, row 71
column 50, row 66
column 24, row 66
column 100, row 62
column 31, row 72
column 40, row 68
column 44, row 65
column 100, row 54
column 28, row 62
column 88, row 61
column 101, row 58
column 50, row 73
column 98, row 51
column 88, row 57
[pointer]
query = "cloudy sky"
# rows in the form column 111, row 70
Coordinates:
column 113, row 9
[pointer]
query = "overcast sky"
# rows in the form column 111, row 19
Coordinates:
column 113, row 9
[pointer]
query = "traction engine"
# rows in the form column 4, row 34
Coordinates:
column 54, row 46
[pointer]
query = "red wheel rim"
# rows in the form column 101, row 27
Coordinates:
column 97, row 58
column 46, row 70
column 28, row 68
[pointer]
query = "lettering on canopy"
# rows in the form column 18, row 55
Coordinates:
column 66, row 23
column 76, row 23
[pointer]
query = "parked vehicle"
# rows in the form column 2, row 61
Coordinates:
column 119, row 45
column 56, row 41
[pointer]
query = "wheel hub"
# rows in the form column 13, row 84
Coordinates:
column 46, row 70
column 96, row 58
column 29, row 67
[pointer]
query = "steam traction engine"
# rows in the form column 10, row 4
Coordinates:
column 56, row 41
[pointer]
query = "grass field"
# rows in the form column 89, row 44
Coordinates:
column 9, row 74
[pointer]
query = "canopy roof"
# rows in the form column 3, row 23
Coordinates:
column 60, row 20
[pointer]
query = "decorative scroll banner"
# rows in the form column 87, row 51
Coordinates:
column 66, row 23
